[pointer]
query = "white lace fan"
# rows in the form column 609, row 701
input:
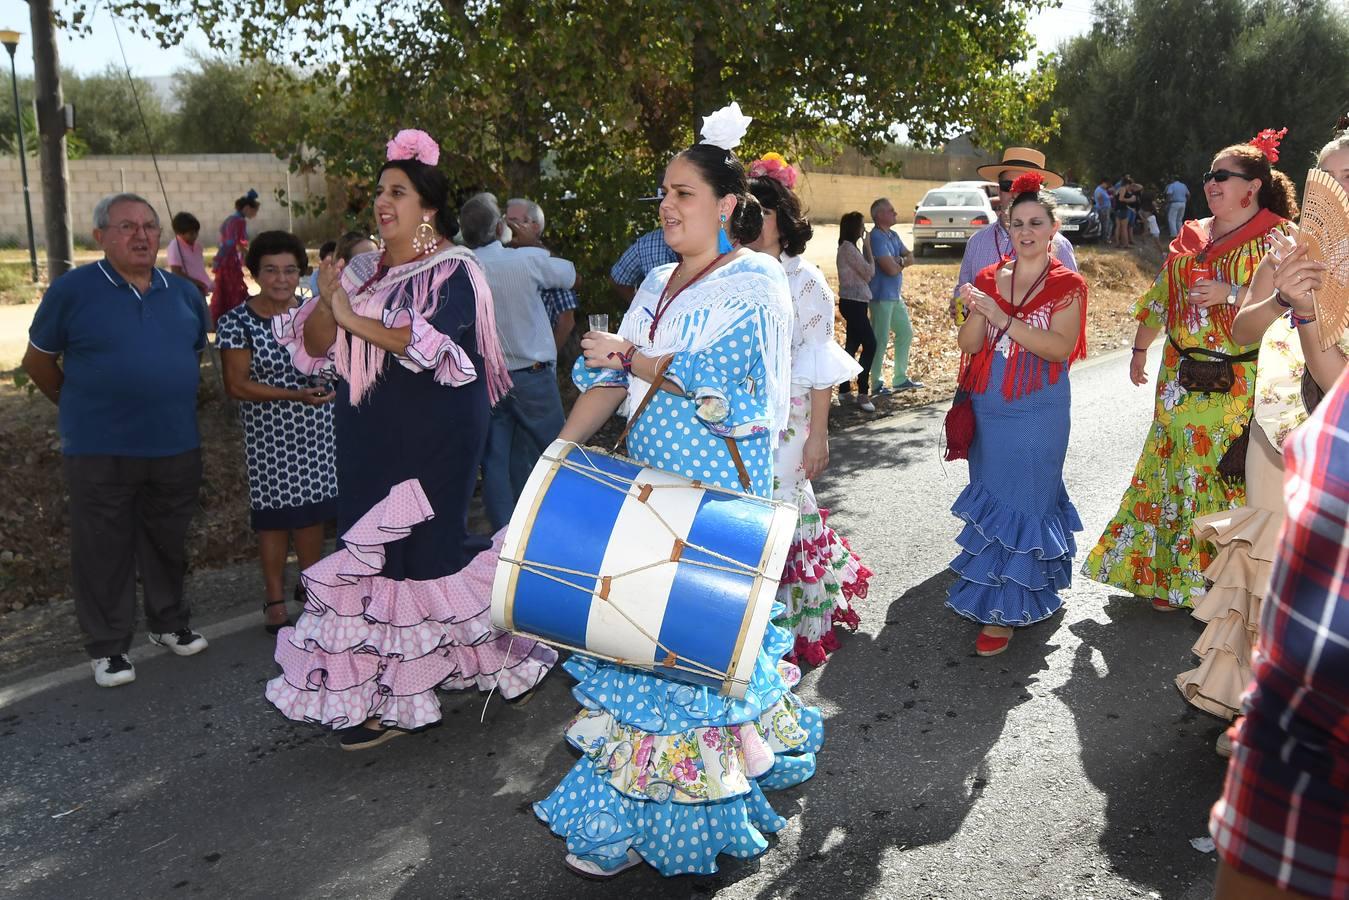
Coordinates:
column 1324, row 227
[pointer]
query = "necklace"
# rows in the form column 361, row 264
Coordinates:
column 1214, row 240
column 664, row 303
column 1035, row 285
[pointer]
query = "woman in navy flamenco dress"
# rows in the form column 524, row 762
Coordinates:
column 403, row 606
column 1027, row 326
column 672, row 773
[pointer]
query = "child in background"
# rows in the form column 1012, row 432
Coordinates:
column 185, row 256
column 325, row 251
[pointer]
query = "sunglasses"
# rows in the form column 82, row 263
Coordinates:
column 1221, row 175
column 1005, row 186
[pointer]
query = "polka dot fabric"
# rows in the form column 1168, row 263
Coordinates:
column 288, row 444
column 669, row 769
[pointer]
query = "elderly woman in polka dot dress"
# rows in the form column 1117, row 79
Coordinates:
column 288, row 422
column 671, row 773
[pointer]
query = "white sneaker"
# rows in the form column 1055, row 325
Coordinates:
column 587, row 869
column 184, row 642
column 112, row 671
column 866, row 405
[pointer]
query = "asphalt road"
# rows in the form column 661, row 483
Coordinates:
column 1068, row 767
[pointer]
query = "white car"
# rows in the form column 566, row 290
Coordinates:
column 951, row 214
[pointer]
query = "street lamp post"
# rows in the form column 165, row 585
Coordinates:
column 11, row 41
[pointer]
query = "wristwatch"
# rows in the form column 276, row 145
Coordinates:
column 1232, row 296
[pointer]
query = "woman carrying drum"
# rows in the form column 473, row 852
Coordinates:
column 673, row 773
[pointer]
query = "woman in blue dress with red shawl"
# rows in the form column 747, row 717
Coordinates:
column 1027, row 326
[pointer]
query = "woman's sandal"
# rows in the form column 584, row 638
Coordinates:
column 587, row 869
column 1162, row 605
column 274, row 629
column 990, row 645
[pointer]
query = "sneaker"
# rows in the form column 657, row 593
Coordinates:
column 866, row 405
column 909, row 385
column 587, row 869
column 111, row 671
column 882, row 390
column 183, row 642
column 362, row 737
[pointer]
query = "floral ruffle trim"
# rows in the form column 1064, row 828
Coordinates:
column 431, row 350
column 1247, row 539
column 367, row 646
column 821, row 579
column 1011, row 566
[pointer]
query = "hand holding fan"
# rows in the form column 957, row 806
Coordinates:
column 1324, row 228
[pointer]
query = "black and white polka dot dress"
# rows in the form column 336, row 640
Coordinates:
column 288, row 444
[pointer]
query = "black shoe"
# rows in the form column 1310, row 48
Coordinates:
column 274, row 629
column 363, row 738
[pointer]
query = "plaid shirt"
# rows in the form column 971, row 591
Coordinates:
column 557, row 301
column 1284, row 813
column 647, row 252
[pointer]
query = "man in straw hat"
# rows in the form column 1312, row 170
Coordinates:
column 993, row 243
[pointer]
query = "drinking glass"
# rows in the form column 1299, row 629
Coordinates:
column 599, row 322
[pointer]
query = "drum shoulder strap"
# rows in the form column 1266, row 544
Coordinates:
column 619, row 446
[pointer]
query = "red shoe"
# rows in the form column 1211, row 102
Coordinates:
column 986, row 645
column 1162, row 605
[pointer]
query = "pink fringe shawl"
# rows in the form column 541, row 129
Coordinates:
column 360, row 362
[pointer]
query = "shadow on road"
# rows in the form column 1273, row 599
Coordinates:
column 1158, row 785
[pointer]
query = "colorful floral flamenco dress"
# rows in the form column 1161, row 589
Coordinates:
column 823, row 576
column 404, row 605
column 230, row 289
column 1150, row 549
column 671, row 772
column 1017, row 545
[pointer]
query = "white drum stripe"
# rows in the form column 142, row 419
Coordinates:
column 638, row 538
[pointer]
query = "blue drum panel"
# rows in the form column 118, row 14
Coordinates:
column 707, row 606
column 572, row 530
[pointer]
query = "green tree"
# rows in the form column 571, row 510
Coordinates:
column 227, row 106
column 106, row 117
column 579, row 103
column 1158, row 86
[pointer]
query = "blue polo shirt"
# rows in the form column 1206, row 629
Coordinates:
column 130, row 361
column 886, row 243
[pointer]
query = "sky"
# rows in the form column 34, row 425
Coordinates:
column 88, row 55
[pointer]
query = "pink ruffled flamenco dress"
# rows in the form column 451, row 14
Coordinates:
column 403, row 606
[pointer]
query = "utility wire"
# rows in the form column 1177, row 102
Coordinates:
column 131, row 82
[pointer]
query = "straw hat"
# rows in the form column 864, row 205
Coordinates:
column 1018, row 160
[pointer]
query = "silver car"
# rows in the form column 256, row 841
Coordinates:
column 950, row 215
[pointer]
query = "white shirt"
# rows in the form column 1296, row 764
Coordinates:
column 516, row 277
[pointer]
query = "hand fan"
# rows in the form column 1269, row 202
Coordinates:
column 1324, row 227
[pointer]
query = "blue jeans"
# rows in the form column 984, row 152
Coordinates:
column 523, row 424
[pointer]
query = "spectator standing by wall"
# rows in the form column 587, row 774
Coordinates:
column 889, row 315
column 855, row 272
column 1177, row 197
column 229, row 257
column 115, row 345
column 185, row 256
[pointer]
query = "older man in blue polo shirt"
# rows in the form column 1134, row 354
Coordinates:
column 115, row 345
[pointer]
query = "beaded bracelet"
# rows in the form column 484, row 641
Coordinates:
column 1299, row 321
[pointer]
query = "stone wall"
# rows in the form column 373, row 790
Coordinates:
column 206, row 186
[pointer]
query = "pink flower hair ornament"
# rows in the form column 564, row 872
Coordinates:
column 774, row 166
column 1267, row 142
column 411, row 143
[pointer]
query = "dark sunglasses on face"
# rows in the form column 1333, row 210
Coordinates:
column 1221, row 175
column 1005, row 186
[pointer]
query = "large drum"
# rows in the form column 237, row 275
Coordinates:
column 642, row 567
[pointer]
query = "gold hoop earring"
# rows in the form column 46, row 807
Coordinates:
column 424, row 239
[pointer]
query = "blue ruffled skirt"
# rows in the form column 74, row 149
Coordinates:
column 1017, row 546
column 677, row 772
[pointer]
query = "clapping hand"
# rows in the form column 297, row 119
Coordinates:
column 982, row 304
column 331, row 292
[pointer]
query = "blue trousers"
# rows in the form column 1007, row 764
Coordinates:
column 523, row 424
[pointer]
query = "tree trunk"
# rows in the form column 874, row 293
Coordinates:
column 709, row 94
column 51, row 126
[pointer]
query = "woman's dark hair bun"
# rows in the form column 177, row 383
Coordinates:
column 747, row 221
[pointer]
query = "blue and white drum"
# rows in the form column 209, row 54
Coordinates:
column 642, row 567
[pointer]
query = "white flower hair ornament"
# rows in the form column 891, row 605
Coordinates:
column 726, row 127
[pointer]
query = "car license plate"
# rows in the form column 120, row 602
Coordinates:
column 1069, row 227
column 950, row 234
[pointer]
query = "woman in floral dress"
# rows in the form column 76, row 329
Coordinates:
column 1282, row 316
column 822, row 576
column 1149, row 548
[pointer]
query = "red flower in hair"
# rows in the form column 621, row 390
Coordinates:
column 1027, row 181
column 1267, row 142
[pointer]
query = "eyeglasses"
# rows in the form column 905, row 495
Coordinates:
column 1005, row 186
column 1221, row 175
column 130, row 228
column 273, row 271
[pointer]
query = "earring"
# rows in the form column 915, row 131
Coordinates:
column 424, row 238
column 723, row 242
column 1246, row 201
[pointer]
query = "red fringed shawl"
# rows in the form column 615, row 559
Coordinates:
column 1025, row 372
column 1192, row 248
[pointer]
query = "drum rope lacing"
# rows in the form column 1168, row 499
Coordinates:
column 609, row 480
